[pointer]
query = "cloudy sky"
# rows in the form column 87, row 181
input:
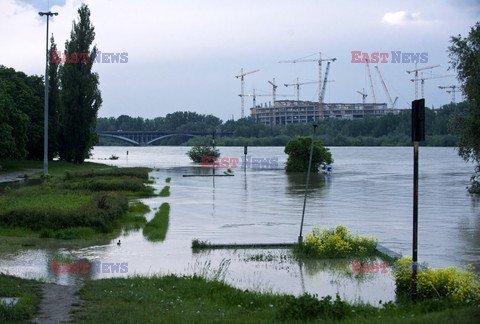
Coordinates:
column 184, row 54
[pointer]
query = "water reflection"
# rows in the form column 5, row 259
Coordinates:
column 297, row 180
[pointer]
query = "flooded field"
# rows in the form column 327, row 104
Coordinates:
column 370, row 192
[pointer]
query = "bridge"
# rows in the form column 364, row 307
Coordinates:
column 144, row 138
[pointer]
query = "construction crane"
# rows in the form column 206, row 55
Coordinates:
column 371, row 82
column 422, row 79
column 387, row 93
column 242, row 88
column 297, row 85
column 274, row 98
column 319, row 60
column 452, row 91
column 274, row 87
column 325, row 80
column 363, row 94
column 254, row 96
column 416, row 76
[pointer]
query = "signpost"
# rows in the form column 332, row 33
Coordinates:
column 418, row 134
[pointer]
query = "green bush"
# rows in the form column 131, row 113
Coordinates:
column 298, row 151
column 449, row 283
column 198, row 151
column 338, row 243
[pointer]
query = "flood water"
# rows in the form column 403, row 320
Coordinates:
column 370, row 192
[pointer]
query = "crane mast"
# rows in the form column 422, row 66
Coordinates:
column 242, row 89
column 385, row 87
column 371, row 83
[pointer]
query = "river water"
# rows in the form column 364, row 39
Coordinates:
column 370, row 192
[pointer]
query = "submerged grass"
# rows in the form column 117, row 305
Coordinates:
column 165, row 192
column 29, row 292
column 81, row 204
column 193, row 299
column 156, row 229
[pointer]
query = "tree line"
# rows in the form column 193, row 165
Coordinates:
column 390, row 129
column 74, row 100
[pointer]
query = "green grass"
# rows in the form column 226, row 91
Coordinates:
column 84, row 203
column 165, row 192
column 172, row 299
column 55, row 168
column 156, row 229
column 29, row 292
column 134, row 219
column 43, row 197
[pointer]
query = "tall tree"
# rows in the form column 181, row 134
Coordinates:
column 13, row 125
column 465, row 59
column 54, row 109
column 80, row 95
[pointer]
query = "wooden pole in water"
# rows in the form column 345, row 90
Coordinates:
column 300, row 237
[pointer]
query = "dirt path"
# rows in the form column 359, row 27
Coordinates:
column 56, row 303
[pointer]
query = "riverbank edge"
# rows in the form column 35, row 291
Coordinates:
column 60, row 169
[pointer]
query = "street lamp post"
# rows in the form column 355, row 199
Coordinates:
column 45, row 128
column 300, row 237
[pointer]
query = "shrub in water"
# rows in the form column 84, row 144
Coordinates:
column 450, row 283
column 196, row 153
column 338, row 243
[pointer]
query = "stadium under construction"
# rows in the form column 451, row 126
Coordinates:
column 284, row 112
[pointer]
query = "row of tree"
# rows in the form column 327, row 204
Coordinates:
column 74, row 100
column 391, row 129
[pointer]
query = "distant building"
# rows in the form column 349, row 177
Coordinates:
column 300, row 112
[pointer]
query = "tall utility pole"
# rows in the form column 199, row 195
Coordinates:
column 242, row 89
column 45, row 113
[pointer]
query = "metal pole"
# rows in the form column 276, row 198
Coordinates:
column 45, row 113
column 415, row 220
column 245, row 162
column 213, row 145
column 300, row 237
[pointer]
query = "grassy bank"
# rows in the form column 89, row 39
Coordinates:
column 172, row 299
column 29, row 292
column 74, row 202
column 55, row 168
